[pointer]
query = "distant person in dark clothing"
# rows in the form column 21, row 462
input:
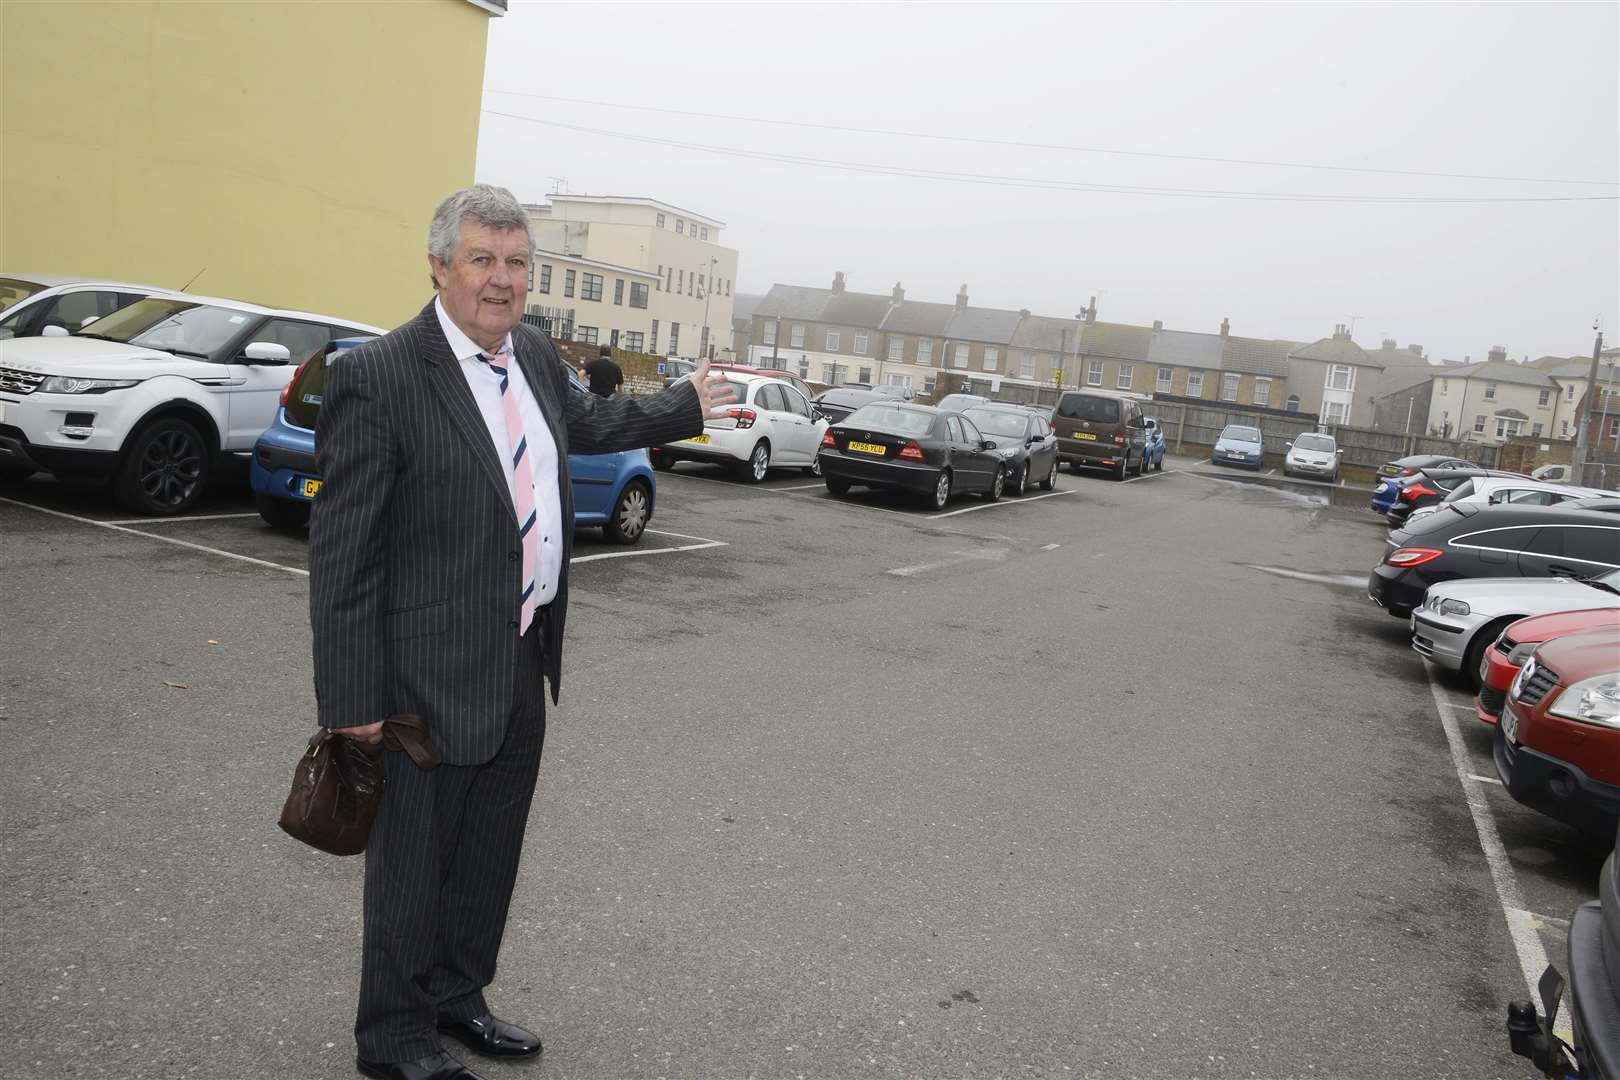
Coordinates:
column 606, row 376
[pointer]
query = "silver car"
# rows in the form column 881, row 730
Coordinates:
column 1458, row 620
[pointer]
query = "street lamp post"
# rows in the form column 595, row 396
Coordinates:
column 708, row 287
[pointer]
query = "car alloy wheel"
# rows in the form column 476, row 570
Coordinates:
column 837, row 485
column 630, row 514
column 759, row 463
column 1017, row 487
column 998, row 484
column 166, row 469
column 815, row 466
column 1051, row 477
column 942, row 489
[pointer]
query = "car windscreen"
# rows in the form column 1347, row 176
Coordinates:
column 181, row 326
column 890, row 419
column 1241, row 434
column 995, row 422
column 1315, row 442
column 1098, row 410
column 14, row 289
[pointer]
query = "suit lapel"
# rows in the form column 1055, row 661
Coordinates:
column 447, row 380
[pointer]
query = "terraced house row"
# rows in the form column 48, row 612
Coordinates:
column 833, row 335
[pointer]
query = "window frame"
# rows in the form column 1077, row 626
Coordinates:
column 1231, row 385
column 1094, row 372
column 1349, row 377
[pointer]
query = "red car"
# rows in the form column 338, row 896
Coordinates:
column 1557, row 748
column 1518, row 641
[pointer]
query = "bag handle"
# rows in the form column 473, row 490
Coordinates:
column 408, row 732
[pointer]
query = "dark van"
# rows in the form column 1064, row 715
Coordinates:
column 1100, row 430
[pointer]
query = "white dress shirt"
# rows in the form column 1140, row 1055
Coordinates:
column 486, row 391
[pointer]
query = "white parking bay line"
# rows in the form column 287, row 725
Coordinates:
column 1151, row 475
column 797, row 487
column 179, row 519
column 1485, row 779
column 646, row 551
column 1521, row 923
column 1004, row 502
column 161, row 539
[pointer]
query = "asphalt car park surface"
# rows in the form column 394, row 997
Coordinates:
column 1127, row 780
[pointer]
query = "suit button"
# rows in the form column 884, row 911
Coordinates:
column 511, row 556
column 513, row 624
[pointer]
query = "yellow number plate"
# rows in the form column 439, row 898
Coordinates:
column 869, row 448
column 310, row 488
column 698, row 439
column 1085, row 435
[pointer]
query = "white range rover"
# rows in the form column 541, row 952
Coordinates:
column 150, row 396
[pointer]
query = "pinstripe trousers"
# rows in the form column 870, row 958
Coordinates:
column 440, row 866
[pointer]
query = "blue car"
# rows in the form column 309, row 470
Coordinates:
column 1239, row 444
column 1153, row 452
column 613, row 491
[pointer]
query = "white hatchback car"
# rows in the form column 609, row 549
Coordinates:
column 772, row 425
column 36, row 304
column 1313, row 454
column 1493, row 490
column 150, row 396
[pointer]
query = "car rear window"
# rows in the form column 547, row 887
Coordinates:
column 1098, row 410
column 308, row 387
column 890, row 419
column 998, row 423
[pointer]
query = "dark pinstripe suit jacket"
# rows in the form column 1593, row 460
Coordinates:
column 414, row 557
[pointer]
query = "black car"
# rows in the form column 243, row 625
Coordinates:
column 1407, row 466
column 913, row 448
column 1465, row 540
column 1025, row 440
column 1432, row 484
column 840, row 401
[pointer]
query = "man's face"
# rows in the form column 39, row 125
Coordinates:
column 484, row 284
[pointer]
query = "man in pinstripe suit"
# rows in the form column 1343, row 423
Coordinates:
column 439, row 586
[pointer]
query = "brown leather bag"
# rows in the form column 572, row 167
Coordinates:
column 338, row 785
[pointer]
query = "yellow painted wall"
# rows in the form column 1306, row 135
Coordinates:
column 295, row 150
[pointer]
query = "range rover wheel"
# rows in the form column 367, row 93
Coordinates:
column 165, row 468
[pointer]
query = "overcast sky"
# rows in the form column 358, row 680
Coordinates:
column 1492, row 90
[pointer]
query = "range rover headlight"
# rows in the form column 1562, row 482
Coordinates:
column 72, row 384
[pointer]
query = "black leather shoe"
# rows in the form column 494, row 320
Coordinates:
column 491, row 1037
column 440, row 1066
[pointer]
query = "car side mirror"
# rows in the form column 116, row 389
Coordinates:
column 267, row 352
column 986, row 444
column 1289, row 445
column 1340, row 453
column 54, row 330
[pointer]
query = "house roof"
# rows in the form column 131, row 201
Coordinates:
column 1335, row 350
column 1257, row 356
column 1047, row 334
column 1119, row 341
column 743, row 305
column 793, row 302
column 992, row 325
column 1404, row 377
column 1501, row 371
column 1185, row 348
column 918, row 317
column 855, row 309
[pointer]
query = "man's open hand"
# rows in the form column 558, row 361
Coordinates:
column 715, row 394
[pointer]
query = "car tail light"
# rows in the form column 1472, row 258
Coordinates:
column 286, row 391
column 1119, row 440
column 1407, row 472
column 745, row 417
column 1410, row 556
column 911, row 451
column 828, row 440
column 1414, row 492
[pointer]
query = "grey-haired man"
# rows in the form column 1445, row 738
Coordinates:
column 439, row 586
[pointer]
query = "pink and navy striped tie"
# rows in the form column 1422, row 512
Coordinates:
column 522, row 487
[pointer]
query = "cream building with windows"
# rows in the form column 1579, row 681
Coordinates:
column 635, row 273
column 1497, row 400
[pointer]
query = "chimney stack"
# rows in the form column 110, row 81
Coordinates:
column 1023, row 313
column 1091, row 311
column 838, row 283
column 1415, row 350
column 1226, row 328
column 1158, row 324
column 899, row 294
column 1497, row 352
column 961, row 297
column 1388, row 345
